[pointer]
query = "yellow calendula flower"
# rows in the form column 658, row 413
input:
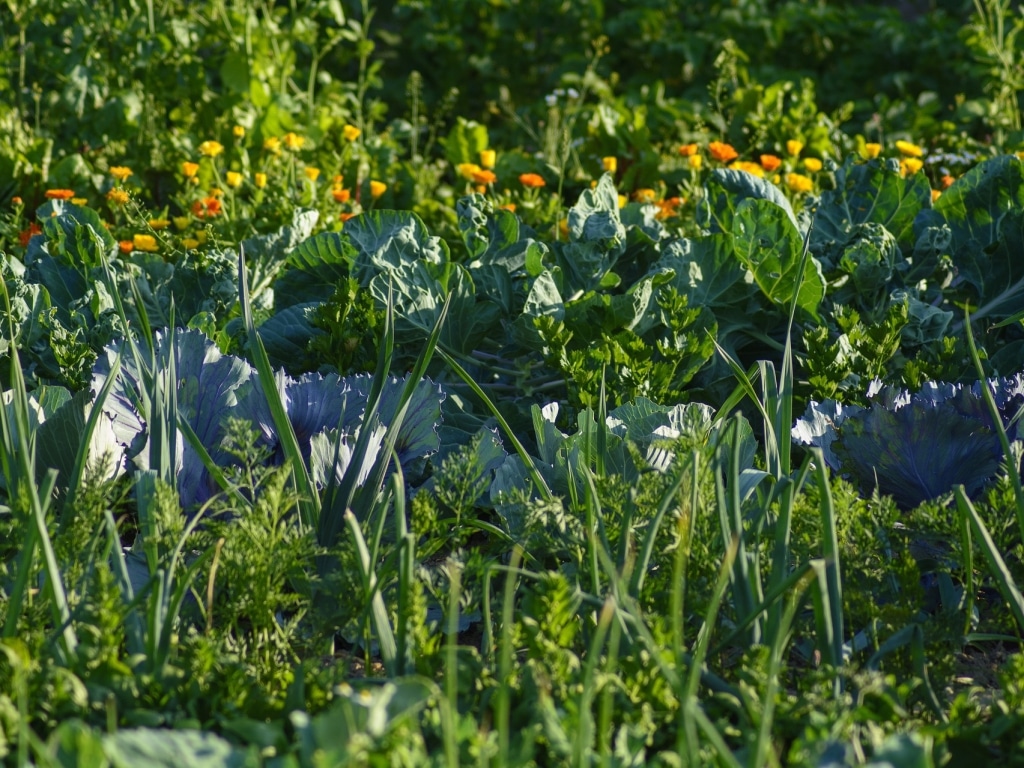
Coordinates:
column 145, row 243
column 871, row 150
column 350, row 132
column 466, row 170
column 799, row 183
column 622, row 201
column 159, row 224
column 910, row 165
column 79, row 200
column 120, row 172
column 311, row 173
column 293, row 141
column 610, row 164
column 260, row 179
column 794, row 147
column 645, row 195
column 210, row 148
column 754, row 169
column 117, row 196
column 936, row 194
column 377, row 188
column 812, row 164
column 488, row 157
column 189, row 170
column 907, row 149
column 181, row 222
column 189, row 243
column 238, row 132
column 272, row 145
column 695, row 161
column 233, row 179
column 201, row 236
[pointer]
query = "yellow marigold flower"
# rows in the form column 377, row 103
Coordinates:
column 79, row 200
column 466, row 170
column 936, row 194
column 312, row 173
column 531, row 180
column 871, row 150
column 794, row 147
column 812, row 164
column 610, row 164
column 722, row 152
column 645, row 195
column 293, row 141
column 688, row 150
column 145, row 243
column 910, row 165
column 181, row 222
column 907, row 149
column 798, row 182
column 216, row 192
column 211, row 148
column 480, row 189
column 377, row 188
column 484, row 177
column 770, row 162
column 260, row 179
column 189, row 243
column 201, row 236
column 272, row 145
column 488, row 158
column 350, row 132
column 695, row 161
column 189, row 170
column 233, row 179
column 120, row 172
column 752, row 168
column 59, row 194
column 622, row 201
column 159, row 224
column 238, row 131
column 117, row 196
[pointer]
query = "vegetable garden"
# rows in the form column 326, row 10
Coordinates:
column 511, row 383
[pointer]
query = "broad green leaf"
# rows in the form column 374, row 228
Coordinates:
column 596, row 237
column 313, row 269
column 706, row 270
column 485, row 231
column 770, row 246
column 725, row 190
column 465, row 142
column 286, row 335
column 387, row 240
column 163, row 748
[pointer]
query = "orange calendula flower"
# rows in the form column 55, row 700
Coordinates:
column 126, row 246
column 210, row 148
column 508, row 207
column 794, row 147
column 610, row 164
column 799, row 183
column 345, row 216
column 488, row 158
column 59, row 194
column 312, row 173
column 120, row 172
column 668, row 207
column 260, row 180
column 946, row 181
column 812, row 164
column 293, row 141
column 532, row 180
column 377, row 188
column 752, row 168
column 350, row 132
column 16, row 200
column 117, row 196
column 722, row 152
column 145, row 243
column 341, row 195
column 207, row 207
column 907, row 149
column 28, row 233
column 159, row 224
column 871, row 150
column 484, row 177
column 645, row 195
column 189, row 170
column 770, row 162
column 272, row 145
column 233, row 179
column 688, row 150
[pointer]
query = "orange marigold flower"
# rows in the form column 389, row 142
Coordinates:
column 341, row 195
column 207, row 207
column 120, row 172
column 722, row 152
column 668, row 207
column 770, row 162
column 145, row 243
column 532, row 180
column 59, row 194
column 508, row 207
column 16, row 200
column 28, row 233
column 484, row 177
column 377, row 188
column 117, row 196
column 126, row 246
column 688, row 150
column 345, row 216
column 189, row 170
column 946, row 181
